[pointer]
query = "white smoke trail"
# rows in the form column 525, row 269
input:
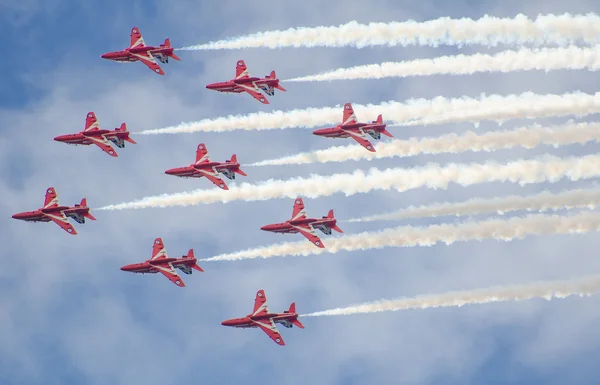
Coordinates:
column 544, row 201
column 546, row 59
column 413, row 111
column 489, row 31
column 548, row 290
column 527, row 137
column 546, row 168
column 408, row 236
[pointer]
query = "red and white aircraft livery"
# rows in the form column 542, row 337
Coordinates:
column 161, row 263
column 92, row 134
column 53, row 211
column 243, row 82
column 350, row 128
column 203, row 167
column 305, row 226
column 261, row 318
column 138, row 50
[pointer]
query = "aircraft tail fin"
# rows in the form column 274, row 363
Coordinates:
column 379, row 119
column 292, row 310
column 127, row 138
column 330, row 215
column 236, row 170
column 87, row 214
column 167, row 43
column 190, row 255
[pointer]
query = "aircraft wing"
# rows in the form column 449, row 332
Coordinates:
column 363, row 142
column 51, row 198
column 255, row 93
column 241, row 71
column 149, row 60
column 91, row 122
column 298, row 212
column 260, row 304
column 158, row 250
column 202, row 154
column 213, row 178
column 310, row 234
column 103, row 144
column 135, row 38
column 348, row 117
column 170, row 272
column 268, row 326
column 61, row 220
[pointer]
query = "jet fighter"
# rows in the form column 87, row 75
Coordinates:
column 161, row 263
column 92, row 134
column 204, row 167
column 350, row 128
column 138, row 50
column 243, row 82
column 261, row 318
column 53, row 211
column 299, row 223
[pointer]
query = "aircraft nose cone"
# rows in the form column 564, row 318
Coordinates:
column 18, row 216
column 104, row 56
column 60, row 138
column 318, row 132
column 170, row 171
column 268, row 227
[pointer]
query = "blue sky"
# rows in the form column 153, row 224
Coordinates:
column 70, row 316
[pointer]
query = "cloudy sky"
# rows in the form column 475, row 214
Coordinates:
column 70, row 316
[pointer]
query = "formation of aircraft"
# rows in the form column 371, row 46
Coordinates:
column 92, row 134
column 53, row 211
column 300, row 223
column 147, row 54
column 266, row 321
column 243, row 82
column 203, row 167
column 161, row 263
column 350, row 128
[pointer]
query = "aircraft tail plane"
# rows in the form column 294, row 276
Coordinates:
column 273, row 75
column 296, row 321
column 190, row 255
column 237, row 170
column 167, row 44
column 87, row 215
column 330, row 215
column 127, row 138
column 384, row 131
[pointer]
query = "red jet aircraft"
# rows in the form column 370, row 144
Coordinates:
column 138, row 50
column 350, row 128
column 305, row 226
column 53, row 211
column 243, row 82
column 204, row 167
column 161, row 263
column 92, row 134
column 261, row 318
